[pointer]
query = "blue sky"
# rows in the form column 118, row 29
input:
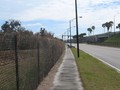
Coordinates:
column 54, row 15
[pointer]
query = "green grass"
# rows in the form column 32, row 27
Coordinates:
column 114, row 39
column 96, row 75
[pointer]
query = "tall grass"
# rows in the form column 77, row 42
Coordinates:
column 96, row 75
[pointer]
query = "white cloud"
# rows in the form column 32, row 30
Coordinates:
column 33, row 24
column 93, row 11
column 55, row 10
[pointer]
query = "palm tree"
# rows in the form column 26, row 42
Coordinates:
column 111, row 23
column 93, row 28
column 108, row 25
column 89, row 30
column 103, row 25
column 118, row 26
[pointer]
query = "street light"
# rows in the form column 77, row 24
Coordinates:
column 70, row 28
column 77, row 28
column 69, row 33
column 114, row 20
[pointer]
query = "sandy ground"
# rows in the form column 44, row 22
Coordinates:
column 47, row 83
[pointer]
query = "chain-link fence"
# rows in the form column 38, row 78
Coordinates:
column 25, row 62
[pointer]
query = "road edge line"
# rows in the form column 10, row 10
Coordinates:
column 118, row 70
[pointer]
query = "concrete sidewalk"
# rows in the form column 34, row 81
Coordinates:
column 67, row 77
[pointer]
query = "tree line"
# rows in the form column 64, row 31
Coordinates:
column 107, row 25
column 25, row 37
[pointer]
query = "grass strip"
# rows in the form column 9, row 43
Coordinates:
column 96, row 75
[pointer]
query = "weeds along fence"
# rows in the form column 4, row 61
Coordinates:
column 24, row 62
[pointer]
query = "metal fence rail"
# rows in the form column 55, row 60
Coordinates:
column 111, row 44
column 24, row 68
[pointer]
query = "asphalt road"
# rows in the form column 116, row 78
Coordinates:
column 108, row 55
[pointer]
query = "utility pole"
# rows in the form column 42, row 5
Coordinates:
column 77, row 28
column 70, row 33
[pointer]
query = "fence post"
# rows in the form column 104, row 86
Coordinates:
column 16, row 63
column 53, row 58
column 38, row 57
